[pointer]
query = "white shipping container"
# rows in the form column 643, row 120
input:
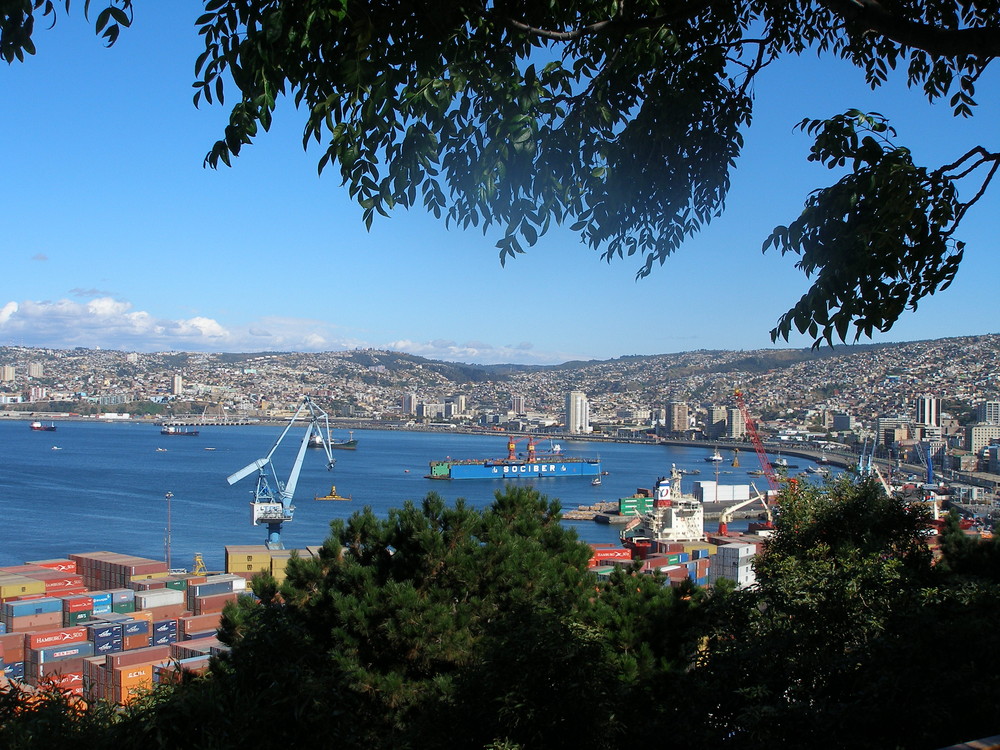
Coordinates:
column 158, row 598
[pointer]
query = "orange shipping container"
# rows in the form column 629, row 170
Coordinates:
column 132, row 642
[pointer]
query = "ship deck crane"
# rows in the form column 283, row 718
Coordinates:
column 727, row 515
column 272, row 499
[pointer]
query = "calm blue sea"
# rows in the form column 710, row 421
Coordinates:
column 104, row 489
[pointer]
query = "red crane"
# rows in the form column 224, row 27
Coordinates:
column 758, row 445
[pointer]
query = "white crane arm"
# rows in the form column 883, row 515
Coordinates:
column 247, row 470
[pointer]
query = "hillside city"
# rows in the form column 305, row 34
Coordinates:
column 942, row 395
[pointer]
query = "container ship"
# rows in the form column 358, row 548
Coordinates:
column 531, row 464
column 175, row 430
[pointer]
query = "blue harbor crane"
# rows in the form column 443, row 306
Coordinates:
column 272, row 498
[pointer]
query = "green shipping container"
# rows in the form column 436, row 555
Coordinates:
column 71, row 619
column 123, row 607
column 628, row 506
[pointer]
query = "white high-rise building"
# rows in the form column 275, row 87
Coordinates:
column 929, row 411
column 735, row 426
column 988, row 412
column 409, row 403
column 178, row 385
column 577, row 412
column 517, row 404
column 35, row 370
column 7, row 373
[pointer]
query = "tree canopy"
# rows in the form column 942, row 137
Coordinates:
column 621, row 120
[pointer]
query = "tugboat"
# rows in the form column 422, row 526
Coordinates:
column 715, row 457
column 332, row 496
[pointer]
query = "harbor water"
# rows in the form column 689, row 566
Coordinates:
column 103, row 486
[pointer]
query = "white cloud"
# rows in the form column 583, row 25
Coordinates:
column 111, row 323
column 7, row 311
column 479, row 352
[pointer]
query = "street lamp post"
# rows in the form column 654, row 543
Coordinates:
column 169, row 496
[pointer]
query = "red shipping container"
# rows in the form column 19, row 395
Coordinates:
column 213, row 603
column 56, row 637
column 197, row 623
column 58, row 668
column 78, row 603
column 12, row 647
column 139, row 656
column 63, row 566
column 147, row 585
column 168, row 612
column 33, row 623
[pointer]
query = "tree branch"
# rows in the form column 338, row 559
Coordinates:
column 872, row 15
column 613, row 24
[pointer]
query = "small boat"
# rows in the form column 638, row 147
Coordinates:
column 332, row 496
column 595, row 482
column 210, row 449
column 174, row 430
column 39, row 427
column 716, row 456
column 56, row 448
column 161, row 450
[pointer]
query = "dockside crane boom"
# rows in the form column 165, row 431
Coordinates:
column 758, row 445
column 272, row 498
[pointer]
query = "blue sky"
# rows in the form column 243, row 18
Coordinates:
column 114, row 235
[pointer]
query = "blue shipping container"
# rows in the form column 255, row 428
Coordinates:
column 43, row 606
column 104, row 630
column 66, row 651
column 136, row 627
column 108, row 646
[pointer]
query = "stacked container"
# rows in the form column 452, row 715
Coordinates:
column 602, row 553
column 24, row 615
column 248, row 559
column 13, row 585
column 111, row 570
column 735, row 562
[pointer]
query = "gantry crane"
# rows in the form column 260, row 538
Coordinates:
column 273, row 506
